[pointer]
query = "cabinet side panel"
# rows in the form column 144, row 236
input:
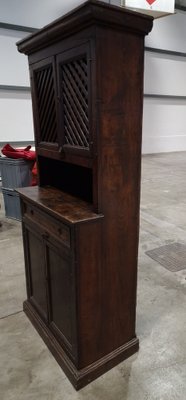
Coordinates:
column 89, row 292
column 120, row 86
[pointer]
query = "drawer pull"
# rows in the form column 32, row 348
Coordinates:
column 51, row 228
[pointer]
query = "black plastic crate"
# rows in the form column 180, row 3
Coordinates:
column 15, row 173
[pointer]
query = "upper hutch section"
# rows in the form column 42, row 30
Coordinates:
column 78, row 76
column 61, row 93
column 63, row 78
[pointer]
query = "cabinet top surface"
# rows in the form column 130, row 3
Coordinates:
column 59, row 204
column 90, row 13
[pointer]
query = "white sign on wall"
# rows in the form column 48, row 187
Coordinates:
column 156, row 8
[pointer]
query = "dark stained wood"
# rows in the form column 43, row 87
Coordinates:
column 65, row 207
column 36, row 271
column 78, row 377
column 90, row 284
column 120, row 116
column 83, row 219
column 62, row 301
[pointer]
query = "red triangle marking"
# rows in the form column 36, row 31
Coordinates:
column 150, row 2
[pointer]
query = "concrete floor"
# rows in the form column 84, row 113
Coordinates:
column 158, row 371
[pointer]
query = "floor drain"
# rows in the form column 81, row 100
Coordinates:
column 171, row 256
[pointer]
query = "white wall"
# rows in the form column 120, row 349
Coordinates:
column 15, row 106
column 164, row 125
column 34, row 13
column 37, row 13
column 165, row 74
column 16, row 117
column 164, row 120
column 13, row 65
column 169, row 33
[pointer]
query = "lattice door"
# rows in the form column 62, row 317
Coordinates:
column 75, row 102
column 44, row 82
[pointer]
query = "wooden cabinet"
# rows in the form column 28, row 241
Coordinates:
column 81, row 224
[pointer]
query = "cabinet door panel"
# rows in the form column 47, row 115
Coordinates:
column 73, row 70
column 36, row 271
column 61, row 295
column 44, row 97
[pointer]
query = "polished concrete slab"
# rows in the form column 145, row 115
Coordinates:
column 158, row 371
column 12, row 280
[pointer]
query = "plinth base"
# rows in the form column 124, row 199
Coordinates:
column 79, row 378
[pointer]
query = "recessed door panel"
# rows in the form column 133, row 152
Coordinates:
column 37, row 272
column 61, row 295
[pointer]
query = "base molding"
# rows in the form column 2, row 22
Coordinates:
column 78, row 378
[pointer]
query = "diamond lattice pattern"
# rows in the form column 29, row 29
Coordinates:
column 46, row 105
column 75, row 103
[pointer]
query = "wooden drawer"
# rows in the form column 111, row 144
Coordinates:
column 50, row 224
